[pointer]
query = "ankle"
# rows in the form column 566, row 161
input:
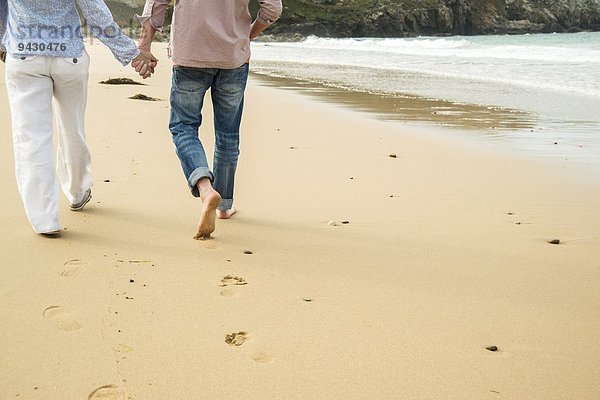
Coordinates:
column 204, row 187
column 226, row 214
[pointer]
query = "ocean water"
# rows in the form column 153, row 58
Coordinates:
column 539, row 93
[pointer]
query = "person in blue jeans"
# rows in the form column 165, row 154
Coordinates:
column 210, row 49
column 187, row 97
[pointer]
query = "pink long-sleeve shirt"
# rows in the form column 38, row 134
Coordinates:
column 210, row 33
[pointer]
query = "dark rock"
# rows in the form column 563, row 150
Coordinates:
column 143, row 97
column 492, row 348
column 120, row 81
column 554, row 241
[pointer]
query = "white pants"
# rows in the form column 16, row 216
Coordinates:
column 32, row 83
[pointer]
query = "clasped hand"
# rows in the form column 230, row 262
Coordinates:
column 144, row 64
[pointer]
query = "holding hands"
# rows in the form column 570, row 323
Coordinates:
column 144, row 63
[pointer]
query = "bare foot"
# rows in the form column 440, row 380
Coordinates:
column 226, row 214
column 210, row 202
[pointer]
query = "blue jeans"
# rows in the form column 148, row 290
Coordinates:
column 187, row 97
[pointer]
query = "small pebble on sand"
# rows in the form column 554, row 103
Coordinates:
column 554, row 241
column 492, row 348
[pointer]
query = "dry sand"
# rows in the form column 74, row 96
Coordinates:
column 400, row 303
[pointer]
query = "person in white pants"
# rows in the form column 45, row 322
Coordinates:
column 32, row 82
column 46, row 68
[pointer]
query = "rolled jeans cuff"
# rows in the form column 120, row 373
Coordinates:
column 199, row 173
column 226, row 204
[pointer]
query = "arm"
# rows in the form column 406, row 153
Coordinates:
column 152, row 21
column 103, row 26
column 147, row 36
column 3, row 23
column 269, row 12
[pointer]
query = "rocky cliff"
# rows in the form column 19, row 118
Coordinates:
column 344, row 18
column 395, row 18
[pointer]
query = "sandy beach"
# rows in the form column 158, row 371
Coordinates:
column 346, row 274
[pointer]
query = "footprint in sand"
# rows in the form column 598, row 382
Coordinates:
column 231, row 280
column 239, row 338
column 61, row 318
column 262, row 358
column 73, row 268
column 108, row 392
column 122, row 349
column 236, row 339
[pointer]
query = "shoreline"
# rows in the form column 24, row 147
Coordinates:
column 409, row 108
column 483, row 82
column 492, row 127
column 445, row 253
column 294, row 37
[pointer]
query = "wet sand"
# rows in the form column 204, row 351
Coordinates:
column 345, row 274
column 407, row 108
column 571, row 144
